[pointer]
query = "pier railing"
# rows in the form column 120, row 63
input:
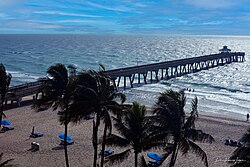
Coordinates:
column 147, row 73
column 173, row 68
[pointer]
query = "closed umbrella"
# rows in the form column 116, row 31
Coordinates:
column 154, row 156
column 5, row 122
column 61, row 136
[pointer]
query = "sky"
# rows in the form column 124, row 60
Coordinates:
column 164, row 17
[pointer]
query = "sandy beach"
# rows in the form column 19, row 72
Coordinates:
column 16, row 143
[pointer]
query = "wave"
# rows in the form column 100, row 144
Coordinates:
column 28, row 57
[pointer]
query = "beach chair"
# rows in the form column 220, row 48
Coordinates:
column 227, row 142
column 35, row 146
column 7, row 127
column 239, row 144
column 154, row 163
column 35, row 134
column 68, row 142
column 156, row 160
column 106, row 153
column 233, row 143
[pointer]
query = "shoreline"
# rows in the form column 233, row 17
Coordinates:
column 16, row 143
column 27, row 100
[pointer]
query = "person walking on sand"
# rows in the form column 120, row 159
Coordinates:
column 247, row 116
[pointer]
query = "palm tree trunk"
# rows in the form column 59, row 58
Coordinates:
column 65, row 137
column 1, row 114
column 65, row 144
column 95, row 138
column 174, row 154
column 136, row 159
column 1, row 109
column 103, row 144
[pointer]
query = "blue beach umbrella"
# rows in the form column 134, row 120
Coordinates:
column 5, row 122
column 108, row 151
column 154, row 156
column 61, row 136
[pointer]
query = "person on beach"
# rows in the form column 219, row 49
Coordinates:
column 247, row 116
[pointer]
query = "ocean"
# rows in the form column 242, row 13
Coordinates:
column 223, row 90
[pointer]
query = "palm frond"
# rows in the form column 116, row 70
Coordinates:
column 241, row 156
column 154, row 139
column 190, row 123
column 142, row 162
column 105, row 116
column 167, row 105
column 59, row 74
column 182, row 101
column 198, row 151
column 114, row 140
column 198, row 135
column 118, row 158
column 194, row 103
column 121, row 96
column 123, row 130
column 241, row 153
column 184, row 146
column 88, row 80
column 246, row 136
column 101, row 67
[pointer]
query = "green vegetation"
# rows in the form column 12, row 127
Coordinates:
column 4, row 85
column 172, row 118
column 58, row 91
column 78, row 95
column 241, row 156
column 136, row 132
column 94, row 94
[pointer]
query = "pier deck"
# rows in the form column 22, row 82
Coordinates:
column 147, row 72
column 171, row 69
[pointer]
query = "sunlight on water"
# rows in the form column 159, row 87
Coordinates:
column 222, row 89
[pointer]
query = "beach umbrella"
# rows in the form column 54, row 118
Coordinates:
column 5, row 122
column 61, row 136
column 154, row 156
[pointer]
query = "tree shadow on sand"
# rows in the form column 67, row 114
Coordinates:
column 58, row 148
column 14, row 105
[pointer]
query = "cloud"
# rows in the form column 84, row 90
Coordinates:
column 123, row 16
column 4, row 16
column 29, row 24
column 91, row 22
column 214, row 4
column 114, row 8
column 64, row 14
column 4, row 3
column 216, row 23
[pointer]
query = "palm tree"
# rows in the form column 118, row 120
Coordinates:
column 136, row 132
column 58, row 92
column 172, row 118
column 96, row 95
column 241, row 156
column 4, row 85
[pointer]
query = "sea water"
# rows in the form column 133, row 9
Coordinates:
column 224, row 89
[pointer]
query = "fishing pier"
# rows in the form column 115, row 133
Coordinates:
column 171, row 69
column 144, row 73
